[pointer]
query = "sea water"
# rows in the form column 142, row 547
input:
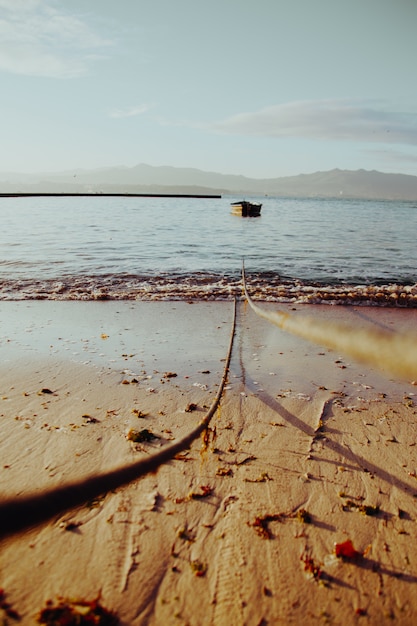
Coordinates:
column 309, row 250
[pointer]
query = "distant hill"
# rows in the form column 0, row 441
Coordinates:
column 351, row 184
column 165, row 179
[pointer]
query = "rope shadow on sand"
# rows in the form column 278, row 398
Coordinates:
column 355, row 461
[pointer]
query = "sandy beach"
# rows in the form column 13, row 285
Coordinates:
column 299, row 506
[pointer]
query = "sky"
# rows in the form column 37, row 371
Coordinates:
column 260, row 88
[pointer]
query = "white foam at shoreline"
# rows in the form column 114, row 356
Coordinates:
column 208, row 287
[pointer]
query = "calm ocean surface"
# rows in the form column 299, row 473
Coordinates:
column 309, row 250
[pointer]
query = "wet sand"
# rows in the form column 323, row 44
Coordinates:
column 307, row 451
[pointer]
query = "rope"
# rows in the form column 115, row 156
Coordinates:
column 18, row 514
column 393, row 353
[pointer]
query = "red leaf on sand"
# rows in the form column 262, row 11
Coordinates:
column 346, row 550
column 205, row 491
column 311, row 567
column 78, row 613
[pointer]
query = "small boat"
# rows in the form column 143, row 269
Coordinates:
column 246, row 209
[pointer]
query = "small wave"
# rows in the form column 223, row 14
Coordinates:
column 266, row 287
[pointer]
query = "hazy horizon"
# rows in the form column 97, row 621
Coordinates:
column 144, row 179
column 72, row 171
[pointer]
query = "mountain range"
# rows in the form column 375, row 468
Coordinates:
column 144, row 178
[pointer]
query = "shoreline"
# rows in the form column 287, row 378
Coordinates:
column 200, row 286
column 217, row 536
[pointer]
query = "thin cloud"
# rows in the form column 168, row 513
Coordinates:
column 38, row 40
column 340, row 120
column 130, row 112
column 393, row 156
